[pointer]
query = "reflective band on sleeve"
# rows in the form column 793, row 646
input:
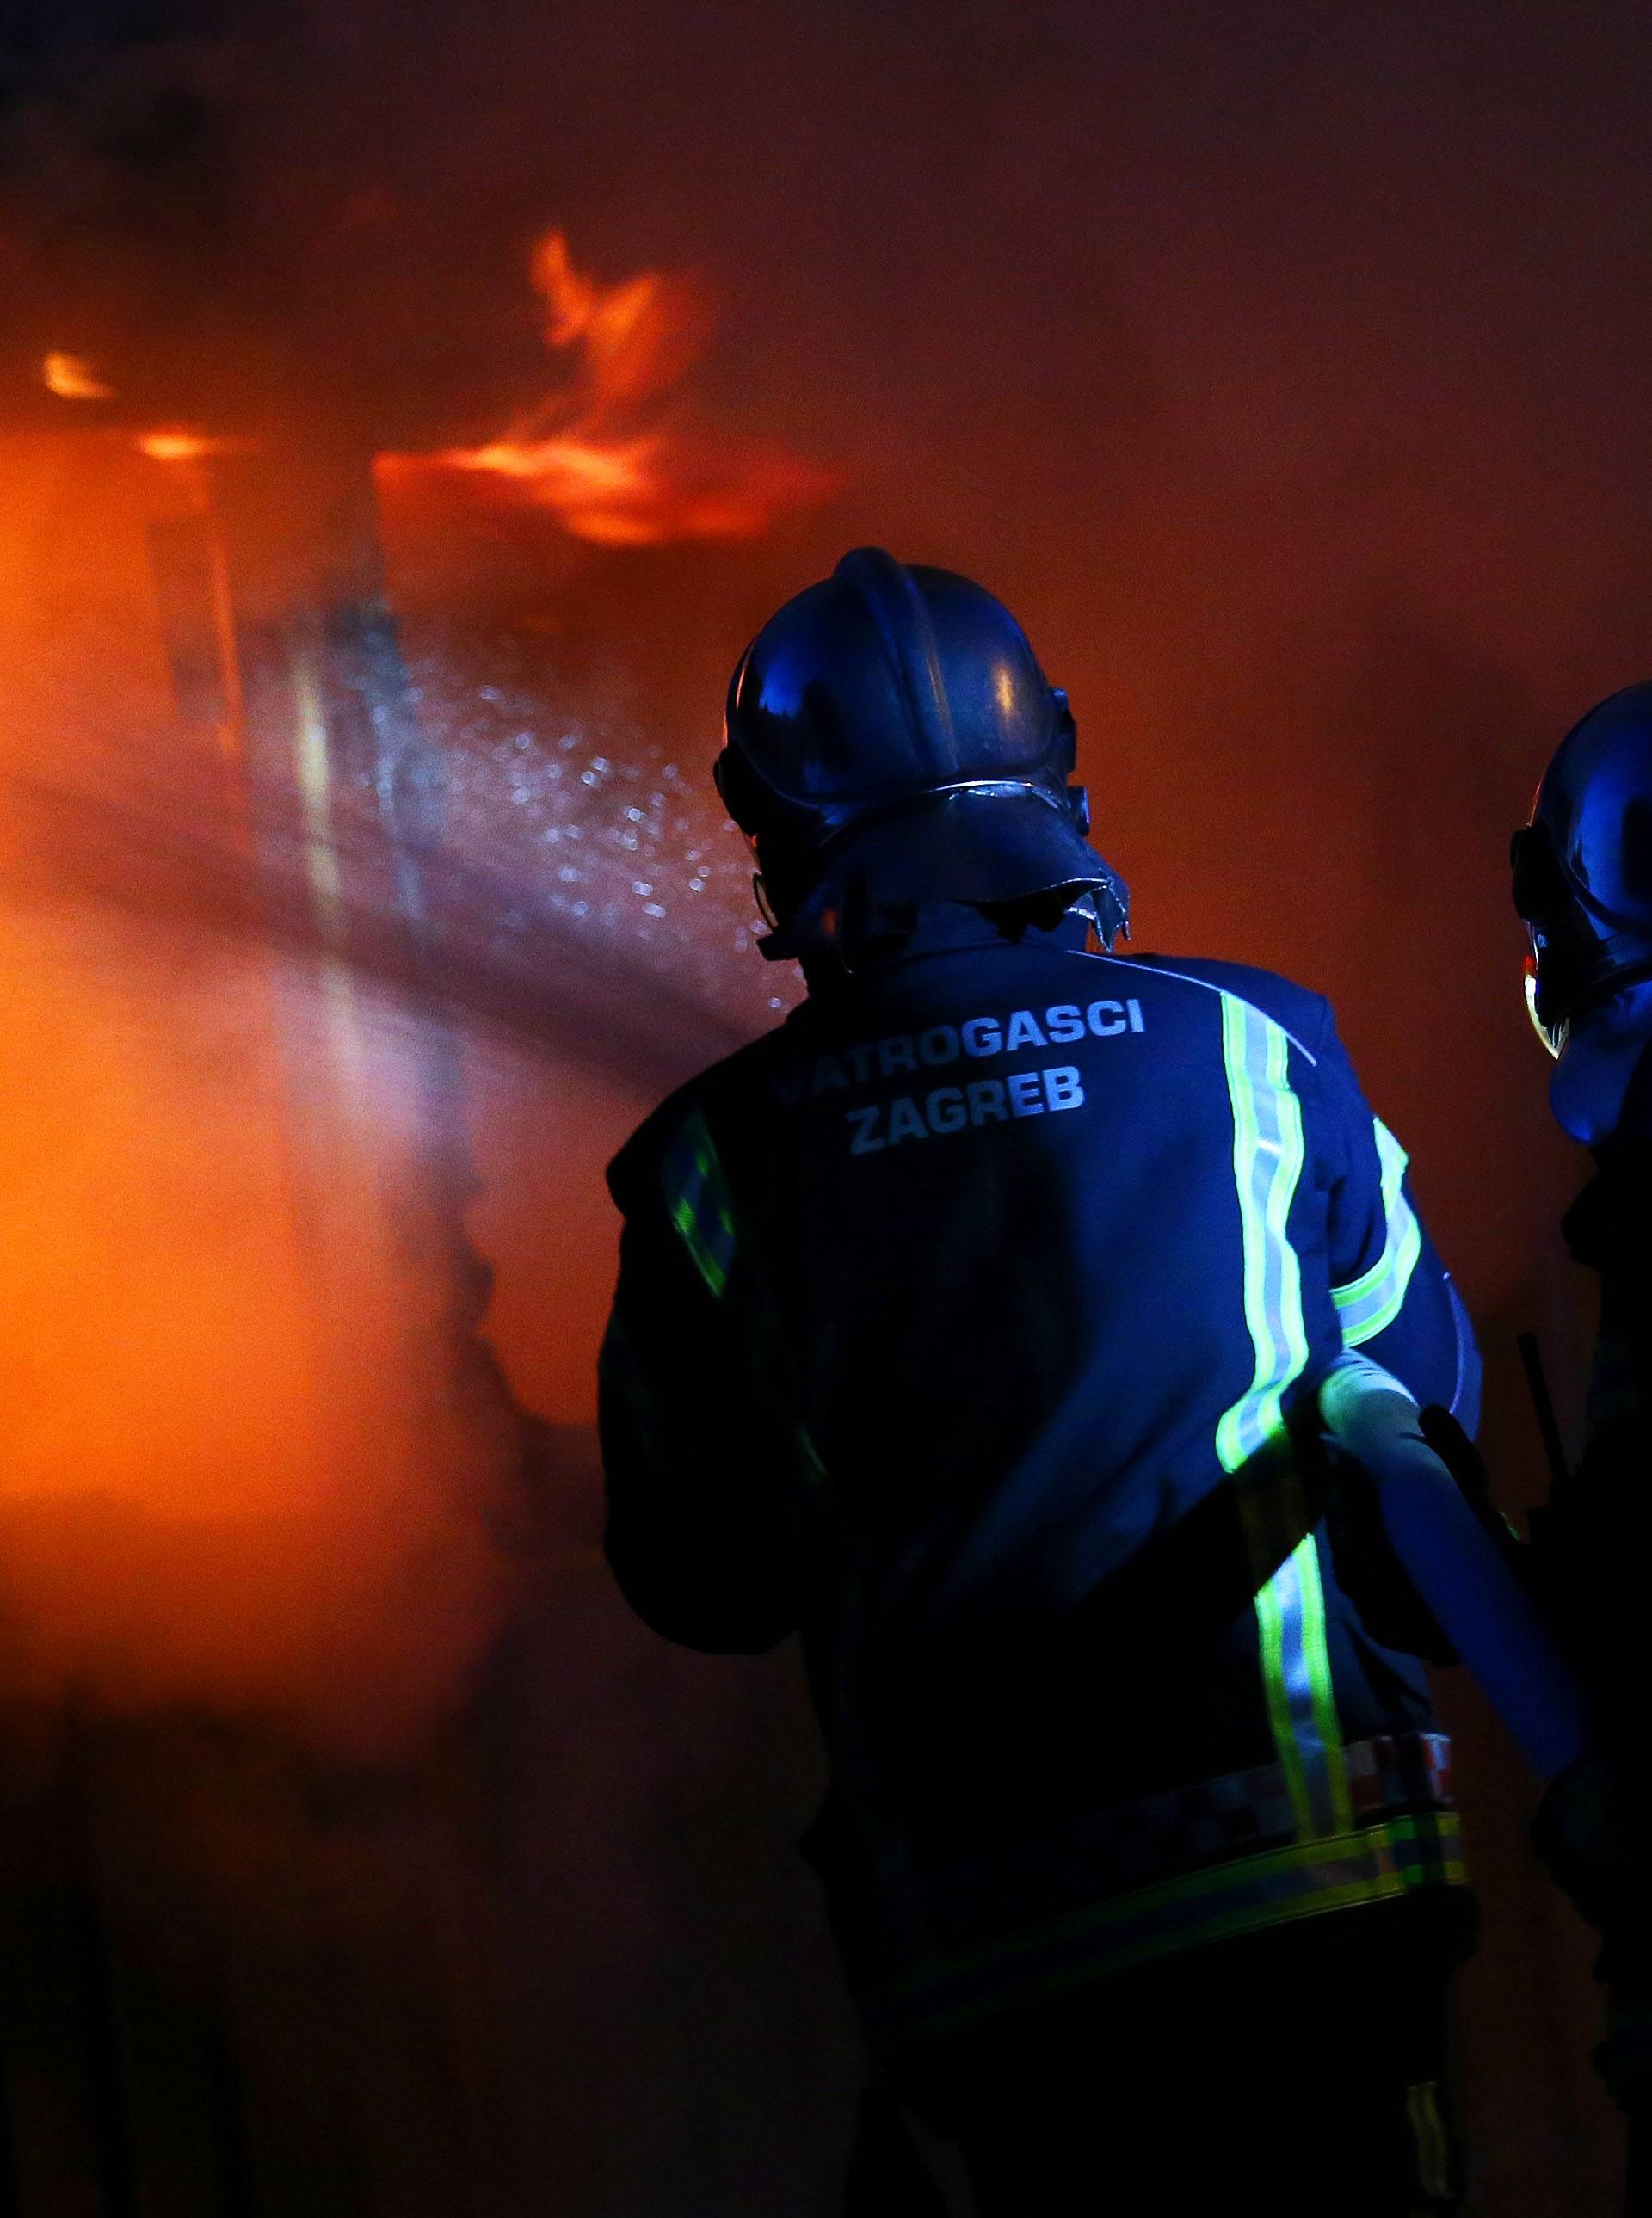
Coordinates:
column 1252, row 1441
column 698, row 1198
column 1370, row 1303
column 1268, row 1155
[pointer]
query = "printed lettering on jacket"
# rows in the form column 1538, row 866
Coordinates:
column 976, row 1039
column 883, row 1125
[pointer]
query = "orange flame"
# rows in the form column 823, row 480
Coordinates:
column 184, row 446
column 610, row 456
column 71, row 377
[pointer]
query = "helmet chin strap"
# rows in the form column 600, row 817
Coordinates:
column 1552, row 1036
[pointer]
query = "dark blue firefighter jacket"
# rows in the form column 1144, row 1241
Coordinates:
column 968, row 1323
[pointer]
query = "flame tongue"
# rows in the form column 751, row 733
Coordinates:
column 635, row 340
column 610, row 456
column 178, row 446
column 71, row 377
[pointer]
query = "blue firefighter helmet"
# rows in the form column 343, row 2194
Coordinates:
column 1583, row 867
column 890, row 740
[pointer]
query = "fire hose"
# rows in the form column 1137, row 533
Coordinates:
column 1473, row 1591
column 1481, row 1604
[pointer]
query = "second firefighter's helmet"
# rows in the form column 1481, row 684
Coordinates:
column 1583, row 866
column 890, row 740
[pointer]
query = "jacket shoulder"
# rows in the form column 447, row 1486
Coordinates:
column 634, row 1168
column 1305, row 1015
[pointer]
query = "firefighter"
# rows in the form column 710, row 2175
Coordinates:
column 1582, row 870
column 973, row 1323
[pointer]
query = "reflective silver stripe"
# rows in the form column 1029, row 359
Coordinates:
column 1252, row 1442
column 1430, row 2140
column 1370, row 1303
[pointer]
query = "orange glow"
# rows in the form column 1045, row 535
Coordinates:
column 215, row 1487
column 71, row 377
column 183, row 446
column 637, row 337
column 611, row 455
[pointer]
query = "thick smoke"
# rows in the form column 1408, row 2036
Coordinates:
column 260, row 1454
column 1287, row 383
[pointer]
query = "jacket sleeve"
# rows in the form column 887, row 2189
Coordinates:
column 712, row 1488
column 1394, row 1300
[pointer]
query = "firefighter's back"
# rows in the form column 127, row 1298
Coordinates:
column 962, row 1325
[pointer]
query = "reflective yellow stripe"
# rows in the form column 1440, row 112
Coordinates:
column 1252, row 1442
column 699, row 1201
column 1373, row 1864
column 1370, row 1303
column 1337, row 1816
